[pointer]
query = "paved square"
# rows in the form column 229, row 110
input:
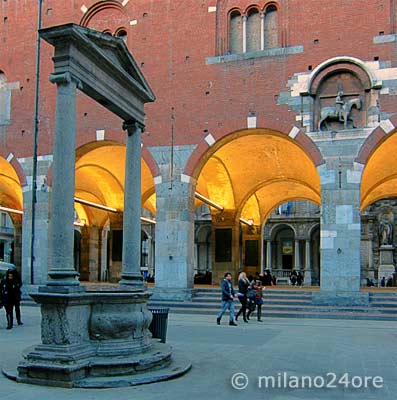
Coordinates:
column 296, row 347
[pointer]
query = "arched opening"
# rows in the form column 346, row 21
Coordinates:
column 243, row 178
column 99, row 195
column 11, row 211
column 270, row 31
column 253, row 30
column 202, row 243
column 291, row 241
column 122, row 34
column 236, row 32
column 379, row 214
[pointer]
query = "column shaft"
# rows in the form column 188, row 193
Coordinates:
column 62, row 272
column 297, row 255
column 269, row 255
column 131, row 274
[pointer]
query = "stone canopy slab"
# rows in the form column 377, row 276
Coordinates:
column 103, row 68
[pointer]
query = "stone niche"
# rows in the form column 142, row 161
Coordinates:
column 341, row 94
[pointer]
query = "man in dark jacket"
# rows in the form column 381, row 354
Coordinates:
column 228, row 296
column 10, row 292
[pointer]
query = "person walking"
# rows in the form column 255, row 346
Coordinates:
column 228, row 295
column 258, row 301
column 243, row 285
column 10, row 292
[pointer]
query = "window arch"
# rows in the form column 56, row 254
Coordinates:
column 270, row 30
column 253, row 30
column 121, row 33
column 236, row 32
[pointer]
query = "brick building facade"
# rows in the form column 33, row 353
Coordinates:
column 257, row 104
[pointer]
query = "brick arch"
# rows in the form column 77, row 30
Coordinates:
column 98, row 7
column 5, row 152
column 375, row 139
column 203, row 150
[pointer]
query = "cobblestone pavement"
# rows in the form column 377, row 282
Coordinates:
column 278, row 352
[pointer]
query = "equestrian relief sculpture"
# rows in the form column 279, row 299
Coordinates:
column 341, row 112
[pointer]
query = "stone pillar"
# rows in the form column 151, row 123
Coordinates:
column 262, row 14
column 174, row 241
column 297, row 265
column 90, row 253
column 131, row 272
column 62, row 272
column 308, row 267
column 174, row 229
column 340, row 233
column 269, row 254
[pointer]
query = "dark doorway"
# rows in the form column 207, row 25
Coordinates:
column 287, row 261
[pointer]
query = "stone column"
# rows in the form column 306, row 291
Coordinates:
column 297, row 256
column 308, row 267
column 244, row 33
column 130, row 273
column 62, row 272
column 269, row 254
column 262, row 261
column 262, row 14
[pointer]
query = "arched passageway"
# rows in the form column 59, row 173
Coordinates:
column 11, row 211
column 243, row 178
column 379, row 213
column 99, row 195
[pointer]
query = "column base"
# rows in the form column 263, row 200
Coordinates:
column 131, row 280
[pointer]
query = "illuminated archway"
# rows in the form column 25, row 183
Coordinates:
column 100, row 179
column 10, row 189
column 379, row 179
column 251, row 172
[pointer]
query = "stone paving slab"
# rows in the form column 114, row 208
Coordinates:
column 296, row 347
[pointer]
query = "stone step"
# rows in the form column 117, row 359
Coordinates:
column 266, row 301
column 278, row 307
column 383, row 304
column 287, row 314
column 270, row 291
column 266, row 296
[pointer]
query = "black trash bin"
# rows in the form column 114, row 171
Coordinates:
column 158, row 326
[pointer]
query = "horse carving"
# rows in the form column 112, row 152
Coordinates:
column 343, row 115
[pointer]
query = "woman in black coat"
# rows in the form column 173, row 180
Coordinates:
column 243, row 285
column 10, row 290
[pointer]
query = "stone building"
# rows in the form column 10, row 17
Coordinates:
column 258, row 109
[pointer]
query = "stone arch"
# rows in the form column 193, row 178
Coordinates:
column 377, row 155
column 375, row 139
column 10, row 156
column 277, row 227
column 342, row 80
column 202, row 152
column 106, row 178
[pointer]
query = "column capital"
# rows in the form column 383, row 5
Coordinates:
column 132, row 126
column 63, row 78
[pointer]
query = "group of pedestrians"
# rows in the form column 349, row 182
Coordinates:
column 250, row 295
column 10, row 296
